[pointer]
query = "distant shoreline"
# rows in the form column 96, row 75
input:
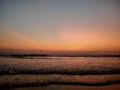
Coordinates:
column 47, row 55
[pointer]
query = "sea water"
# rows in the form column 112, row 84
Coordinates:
column 89, row 71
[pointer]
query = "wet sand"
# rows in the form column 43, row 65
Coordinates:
column 70, row 87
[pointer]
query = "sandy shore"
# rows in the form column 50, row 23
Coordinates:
column 70, row 87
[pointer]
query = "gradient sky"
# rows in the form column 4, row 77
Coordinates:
column 60, row 24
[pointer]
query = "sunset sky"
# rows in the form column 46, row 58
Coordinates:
column 80, row 25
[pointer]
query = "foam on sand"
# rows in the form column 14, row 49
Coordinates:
column 35, row 80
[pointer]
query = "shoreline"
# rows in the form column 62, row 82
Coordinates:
column 69, row 87
column 16, row 81
column 94, row 72
column 69, row 66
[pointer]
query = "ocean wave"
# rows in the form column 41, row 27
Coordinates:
column 40, row 80
column 62, row 66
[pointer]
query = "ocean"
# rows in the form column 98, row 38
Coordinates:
column 52, row 71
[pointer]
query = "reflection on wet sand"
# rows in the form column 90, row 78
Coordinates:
column 70, row 87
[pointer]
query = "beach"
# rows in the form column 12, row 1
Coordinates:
column 70, row 87
column 59, row 44
column 46, row 73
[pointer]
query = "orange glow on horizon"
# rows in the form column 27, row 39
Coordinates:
column 58, row 26
column 70, row 39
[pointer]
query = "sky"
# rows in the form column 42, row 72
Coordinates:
column 81, row 25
